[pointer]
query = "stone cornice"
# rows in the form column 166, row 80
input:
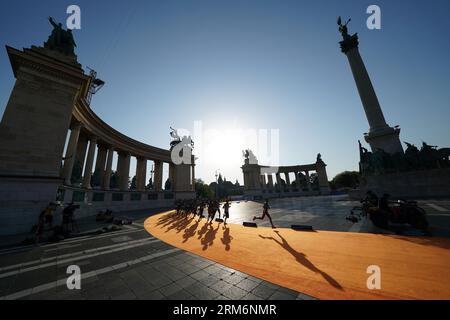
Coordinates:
column 36, row 60
column 109, row 136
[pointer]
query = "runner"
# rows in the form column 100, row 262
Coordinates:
column 266, row 213
column 226, row 208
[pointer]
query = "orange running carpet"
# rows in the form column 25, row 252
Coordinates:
column 325, row 265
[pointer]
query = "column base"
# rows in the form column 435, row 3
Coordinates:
column 387, row 139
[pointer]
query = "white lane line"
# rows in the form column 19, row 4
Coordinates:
column 62, row 248
column 71, row 240
column 84, row 276
column 92, row 237
column 436, row 207
column 72, row 257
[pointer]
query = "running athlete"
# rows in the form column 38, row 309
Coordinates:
column 266, row 213
column 226, row 208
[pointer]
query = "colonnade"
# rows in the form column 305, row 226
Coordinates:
column 81, row 150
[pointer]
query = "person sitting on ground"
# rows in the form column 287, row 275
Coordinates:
column 371, row 199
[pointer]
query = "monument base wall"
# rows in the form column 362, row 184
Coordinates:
column 23, row 199
column 408, row 185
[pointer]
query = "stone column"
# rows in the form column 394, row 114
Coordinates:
column 100, row 163
column 81, row 151
column 158, row 175
column 193, row 177
column 70, row 154
column 89, row 164
column 108, row 171
column 380, row 134
column 297, row 180
column 123, row 168
column 280, row 185
column 288, row 181
column 141, row 174
column 270, row 178
column 308, row 180
column 172, row 176
column 263, row 182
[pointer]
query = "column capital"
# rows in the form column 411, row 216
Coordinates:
column 76, row 125
column 349, row 43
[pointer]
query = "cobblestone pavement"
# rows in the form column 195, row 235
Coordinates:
column 128, row 264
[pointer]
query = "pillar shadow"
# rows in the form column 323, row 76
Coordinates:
column 227, row 238
column 301, row 258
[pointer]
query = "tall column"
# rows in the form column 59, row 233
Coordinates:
column 158, row 175
column 380, row 134
column 308, row 180
column 70, row 154
column 270, row 178
column 193, row 177
column 263, row 182
column 80, row 154
column 123, row 168
column 108, row 171
column 89, row 164
column 100, row 163
column 297, row 180
column 288, row 181
column 141, row 174
column 280, row 185
column 172, row 176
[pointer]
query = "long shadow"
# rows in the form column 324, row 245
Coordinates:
column 174, row 222
column 227, row 238
column 209, row 237
column 301, row 258
column 190, row 232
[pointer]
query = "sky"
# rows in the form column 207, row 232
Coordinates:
column 237, row 67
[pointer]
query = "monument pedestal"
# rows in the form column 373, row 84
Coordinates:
column 33, row 133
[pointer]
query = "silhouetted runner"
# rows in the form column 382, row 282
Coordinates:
column 266, row 213
column 226, row 208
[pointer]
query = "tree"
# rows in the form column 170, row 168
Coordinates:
column 346, row 179
column 203, row 190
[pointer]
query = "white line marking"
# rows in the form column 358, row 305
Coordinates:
column 70, row 240
column 62, row 282
column 62, row 259
column 436, row 207
column 62, row 248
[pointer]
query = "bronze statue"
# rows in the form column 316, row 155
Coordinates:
column 343, row 28
column 60, row 39
column 250, row 157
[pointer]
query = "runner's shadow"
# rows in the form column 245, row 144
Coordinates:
column 190, row 232
column 210, row 235
column 226, row 239
column 301, row 258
